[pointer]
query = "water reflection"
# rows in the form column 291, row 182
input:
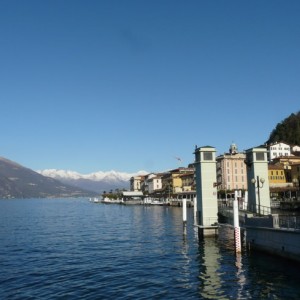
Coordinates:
column 210, row 285
column 127, row 252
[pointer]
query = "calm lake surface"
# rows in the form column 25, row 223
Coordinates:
column 74, row 249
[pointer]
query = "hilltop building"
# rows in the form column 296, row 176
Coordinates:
column 276, row 150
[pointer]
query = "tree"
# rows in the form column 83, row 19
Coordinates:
column 288, row 131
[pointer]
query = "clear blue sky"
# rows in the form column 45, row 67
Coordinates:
column 128, row 85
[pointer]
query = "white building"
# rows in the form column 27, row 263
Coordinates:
column 278, row 150
column 154, row 183
column 136, row 183
column 296, row 149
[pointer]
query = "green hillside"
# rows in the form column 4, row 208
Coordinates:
column 288, row 131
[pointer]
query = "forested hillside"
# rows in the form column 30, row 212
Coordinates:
column 288, row 131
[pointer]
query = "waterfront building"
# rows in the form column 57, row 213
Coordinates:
column 188, row 181
column 284, row 177
column 136, row 183
column 278, row 150
column 154, row 184
column 277, row 181
column 258, row 181
column 276, row 175
column 145, row 183
column 287, row 162
column 172, row 181
column 231, row 170
column 207, row 202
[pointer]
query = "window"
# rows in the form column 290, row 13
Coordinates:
column 260, row 156
column 207, row 156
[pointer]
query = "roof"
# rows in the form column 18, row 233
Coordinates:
column 275, row 167
column 133, row 194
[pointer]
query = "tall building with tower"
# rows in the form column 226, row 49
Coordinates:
column 258, row 182
column 231, row 170
column 206, row 190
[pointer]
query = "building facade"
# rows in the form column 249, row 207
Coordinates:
column 136, row 183
column 276, row 175
column 278, row 150
column 231, row 170
column 154, row 184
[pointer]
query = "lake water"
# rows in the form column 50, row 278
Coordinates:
column 74, row 249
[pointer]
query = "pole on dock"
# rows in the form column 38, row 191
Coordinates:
column 245, row 203
column 195, row 211
column 184, row 216
column 184, row 210
column 237, row 230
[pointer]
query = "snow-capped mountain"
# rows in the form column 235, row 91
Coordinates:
column 96, row 182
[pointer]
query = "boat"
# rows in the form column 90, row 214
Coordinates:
column 106, row 200
column 95, row 200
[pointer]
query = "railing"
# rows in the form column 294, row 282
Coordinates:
column 285, row 219
column 290, row 222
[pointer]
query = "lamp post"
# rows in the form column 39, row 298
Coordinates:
column 259, row 184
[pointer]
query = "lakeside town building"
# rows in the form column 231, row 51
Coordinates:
column 278, row 150
column 231, row 174
column 231, row 170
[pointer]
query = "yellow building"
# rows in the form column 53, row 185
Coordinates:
column 276, row 175
column 172, row 181
column 188, row 181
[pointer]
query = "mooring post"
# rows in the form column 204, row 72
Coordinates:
column 195, row 211
column 184, row 210
column 184, row 215
column 237, row 231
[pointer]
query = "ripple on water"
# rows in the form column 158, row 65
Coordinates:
column 62, row 249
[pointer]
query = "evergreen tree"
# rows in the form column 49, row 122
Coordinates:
column 288, row 131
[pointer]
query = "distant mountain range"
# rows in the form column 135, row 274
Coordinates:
column 17, row 181
column 97, row 182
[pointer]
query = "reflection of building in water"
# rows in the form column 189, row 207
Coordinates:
column 210, row 282
column 218, row 265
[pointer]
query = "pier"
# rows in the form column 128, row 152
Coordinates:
column 274, row 233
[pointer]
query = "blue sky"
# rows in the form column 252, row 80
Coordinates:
column 130, row 85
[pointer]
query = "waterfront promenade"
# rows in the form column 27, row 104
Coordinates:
column 275, row 231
